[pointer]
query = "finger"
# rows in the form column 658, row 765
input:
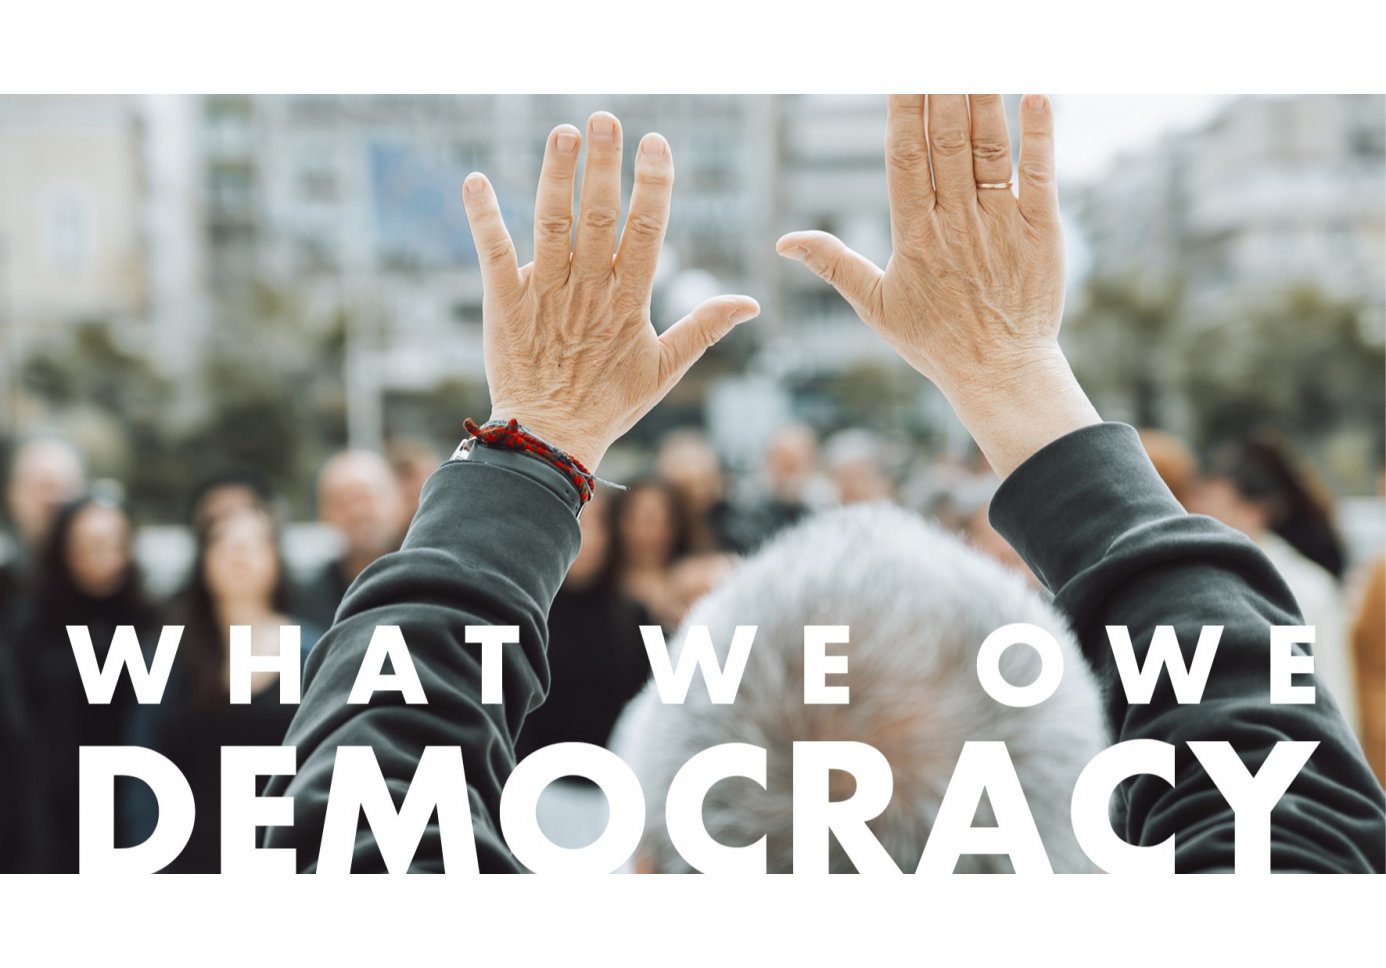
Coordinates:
column 495, row 251
column 685, row 341
column 907, row 164
column 1039, row 193
column 553, row 208
column 854, row 276
column 600, row 209
column 643, row 236
column 991, row 143
column 950, row 150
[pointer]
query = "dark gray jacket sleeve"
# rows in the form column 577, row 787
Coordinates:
column 1097, row 525
column 490, row 545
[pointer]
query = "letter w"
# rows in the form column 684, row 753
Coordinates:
column 125, row 653
column 722, row 681
column 1164, row 652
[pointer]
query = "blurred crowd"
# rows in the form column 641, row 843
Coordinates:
column 649, row 550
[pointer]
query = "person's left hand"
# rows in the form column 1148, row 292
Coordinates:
column 570, row 349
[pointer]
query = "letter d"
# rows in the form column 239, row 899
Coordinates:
column 97, row 852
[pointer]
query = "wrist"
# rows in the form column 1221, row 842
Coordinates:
column 560, row 433
column 512, row 437
column 1015, row 410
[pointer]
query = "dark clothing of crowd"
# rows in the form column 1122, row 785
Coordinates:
column 60, row 720
column 191, row 728
column 46, row 718
column 597, row 664
column 316, row 600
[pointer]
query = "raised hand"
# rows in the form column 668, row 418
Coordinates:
column 569, row 346
column 974, row 291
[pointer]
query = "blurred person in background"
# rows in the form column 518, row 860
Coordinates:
column 1369, row 663
column 597, row 664
column 857, row 465
column 1277, row 493
column 238, row 578
column 360, row 497
column 790, row 485
column 1369, row 657
column 950, row 488
column 687, row 462
column 228, row 492
column 1257, row 487
column 597, row 658
column 1174, row 461
column 413, row 461
column 651, row 534
column 44, row 474
column 215, row 497
column 87, row 576
column 694, row 576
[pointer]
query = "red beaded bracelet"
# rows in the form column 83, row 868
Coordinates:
column 509, row 435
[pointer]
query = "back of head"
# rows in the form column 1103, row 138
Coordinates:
column 918, row 604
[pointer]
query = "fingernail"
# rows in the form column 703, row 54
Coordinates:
column 603, row 127
column 652, row 145
column 743, row 314
column 475, row 184
column 1036, row 102
column 566, row 142
column 794, row 252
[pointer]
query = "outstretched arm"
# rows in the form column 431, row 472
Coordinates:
column 972, row 298
column 974, row 291
column 572, row 355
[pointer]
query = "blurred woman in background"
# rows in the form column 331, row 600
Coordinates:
column 1258, row 487
column 238, row 578
column 651, row 535
column 596, row 655
column 87, row 576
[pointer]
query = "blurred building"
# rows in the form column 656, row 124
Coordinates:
column 71, row 235
column 336, row 222
column 832, row 181
column 1271, row 193
column 1207, row 248
column 353, row 202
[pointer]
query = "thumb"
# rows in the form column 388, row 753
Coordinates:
column 685, row 341
column 851, row 274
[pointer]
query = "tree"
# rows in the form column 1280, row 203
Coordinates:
column 1301, row 362
column 1122, row 340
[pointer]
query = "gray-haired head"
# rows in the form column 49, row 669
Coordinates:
column 918, row 604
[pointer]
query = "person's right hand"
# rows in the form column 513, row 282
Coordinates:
column 569, row 347
column 974, row 290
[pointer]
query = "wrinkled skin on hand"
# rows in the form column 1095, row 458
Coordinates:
column 570, row 348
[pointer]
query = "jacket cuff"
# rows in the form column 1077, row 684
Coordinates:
column 1071, row 501
column 527, row 466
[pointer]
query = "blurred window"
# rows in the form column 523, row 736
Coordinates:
column 66, row 231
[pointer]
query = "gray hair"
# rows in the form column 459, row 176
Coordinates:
column 918, row 603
